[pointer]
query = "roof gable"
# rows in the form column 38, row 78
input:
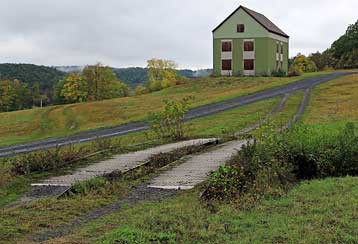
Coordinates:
column 259, row 18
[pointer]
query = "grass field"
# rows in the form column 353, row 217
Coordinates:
column 218, row 125
column 334, row 101
column 319, row 211
column 55, row 121
column 66, row 209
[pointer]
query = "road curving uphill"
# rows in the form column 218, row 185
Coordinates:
column 195, row 113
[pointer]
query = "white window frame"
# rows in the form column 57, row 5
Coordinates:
column 248, row 55
column 226, row 56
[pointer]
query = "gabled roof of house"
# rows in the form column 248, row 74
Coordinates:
column 259, row 18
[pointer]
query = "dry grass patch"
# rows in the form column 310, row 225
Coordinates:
column 334, row 101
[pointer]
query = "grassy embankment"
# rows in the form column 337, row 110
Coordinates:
column 69, row 208
column 55, row 121
column 66, row 209
column 303, row 212
column 318, row 211
column 334, row 102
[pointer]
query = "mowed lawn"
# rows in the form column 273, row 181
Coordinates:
column 55, row 121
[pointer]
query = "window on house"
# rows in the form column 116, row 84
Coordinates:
column 240, row 28
column 281, row 48
column 277, row 47
column 277, row 65
column 248, row 64
column 226, row 64
column 248, row 46
column 226, row 46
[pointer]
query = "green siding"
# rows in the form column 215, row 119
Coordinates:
column 252, row 28
column 265, row 45
column 237, row 54
column 285, row 56
column 265, row 56
column 271, row 56
column 261, row 56
column 217, row 57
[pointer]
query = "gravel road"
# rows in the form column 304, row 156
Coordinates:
column 195, row 113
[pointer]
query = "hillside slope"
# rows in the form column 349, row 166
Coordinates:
column 56, row 121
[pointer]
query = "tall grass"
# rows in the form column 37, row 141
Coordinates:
column 274, row 162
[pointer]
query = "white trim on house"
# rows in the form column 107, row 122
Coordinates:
column 250, row 72
column 226, row 56
column 279, row 38
column 226, row 72
column 248, row 55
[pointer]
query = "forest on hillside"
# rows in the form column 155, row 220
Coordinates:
column 31, row 74
column 343, row 53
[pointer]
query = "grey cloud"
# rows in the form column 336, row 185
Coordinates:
column 128, row 32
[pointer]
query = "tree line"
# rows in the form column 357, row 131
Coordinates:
column 343, row 54
column 95, row 83
column 16, row 95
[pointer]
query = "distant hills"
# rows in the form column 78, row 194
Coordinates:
column 47, row 77
column 31, row 74
column 134, row 76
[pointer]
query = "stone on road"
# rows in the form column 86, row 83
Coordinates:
column 197, row 168
column 120, row 163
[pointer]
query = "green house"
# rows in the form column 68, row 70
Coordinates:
column 248, row 43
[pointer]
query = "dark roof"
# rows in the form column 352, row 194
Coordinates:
column 260, row 18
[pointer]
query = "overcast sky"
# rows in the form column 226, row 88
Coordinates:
column 124, row 33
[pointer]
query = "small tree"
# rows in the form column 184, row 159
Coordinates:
column 161, row 74
column 103, row 83
column 139, row 90
column 169, row 123
column 74, row 88
column 304, row 64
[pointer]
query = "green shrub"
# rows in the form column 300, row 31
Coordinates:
column 295, row 70
column 94, row 186
column 223, row 183
column 317, row 153
column 128, row 235
column 43, row 161
column 269, row 166
column 61, row 157
column 140, row 90
column 252, row 174
column 279, row 73
column 169, row 123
